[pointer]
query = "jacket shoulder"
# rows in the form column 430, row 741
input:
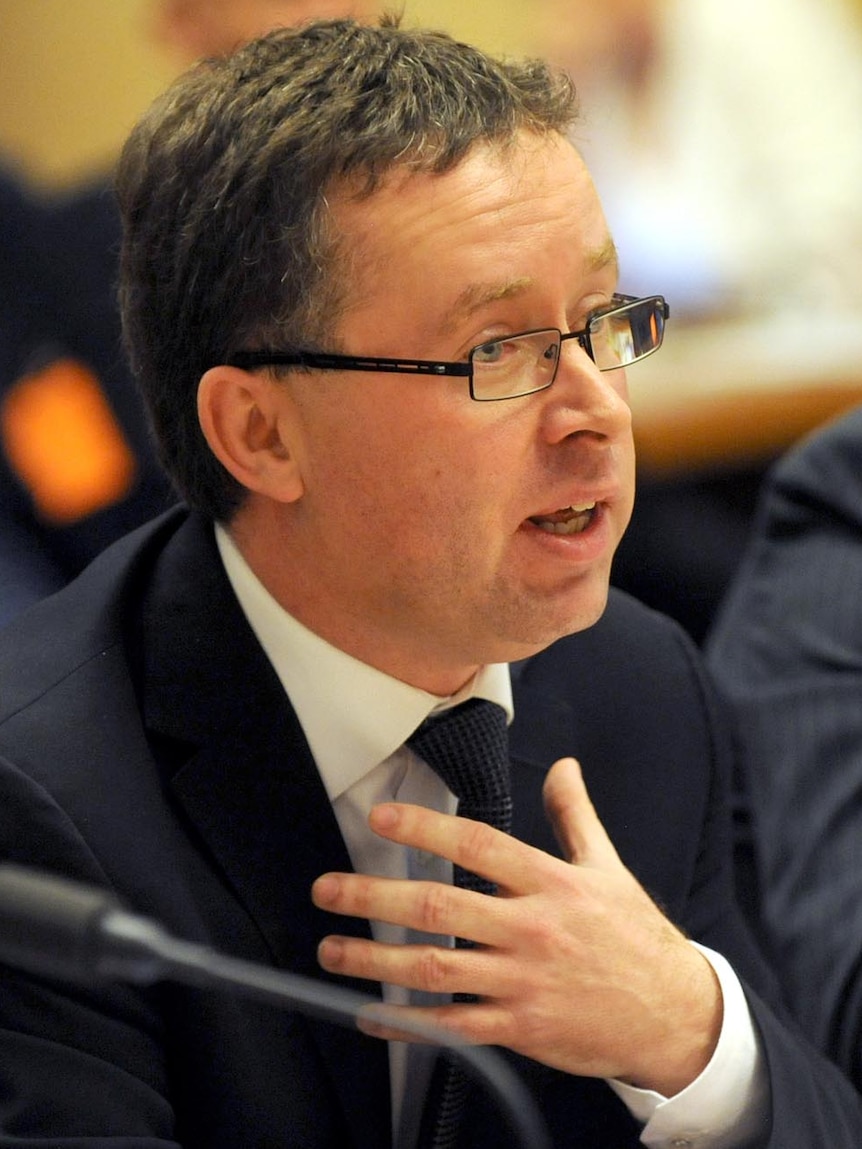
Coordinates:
column 633, row 654
column 821, row 475
column 81, row 623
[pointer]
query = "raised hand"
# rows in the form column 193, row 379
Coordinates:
column 574, row 964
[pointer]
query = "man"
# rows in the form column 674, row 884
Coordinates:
column 371, row 296
column 787, row 652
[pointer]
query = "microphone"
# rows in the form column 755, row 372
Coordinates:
column 54, row 927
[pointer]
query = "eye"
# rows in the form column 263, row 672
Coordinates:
column 488, row 353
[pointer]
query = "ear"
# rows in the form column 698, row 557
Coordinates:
column 248, row 421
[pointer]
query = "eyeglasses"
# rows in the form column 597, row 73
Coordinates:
column 614, row 337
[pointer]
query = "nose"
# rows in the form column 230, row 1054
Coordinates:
column 584, row 399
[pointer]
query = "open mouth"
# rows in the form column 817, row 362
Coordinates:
column 568, row 521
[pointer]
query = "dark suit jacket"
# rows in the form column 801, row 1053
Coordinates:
column 145, row 744
column 787, row 650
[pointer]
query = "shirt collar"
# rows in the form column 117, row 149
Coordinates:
column 362, row 715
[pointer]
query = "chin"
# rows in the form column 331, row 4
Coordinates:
column 535, row 638
column 587, row 612
column 585, row 605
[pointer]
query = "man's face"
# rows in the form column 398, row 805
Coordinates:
column 428, row 538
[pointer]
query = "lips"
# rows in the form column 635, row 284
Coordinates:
column 566, row 521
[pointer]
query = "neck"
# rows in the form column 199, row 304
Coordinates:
column 332, row 619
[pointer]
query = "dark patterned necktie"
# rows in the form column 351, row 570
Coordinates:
column 468, row 748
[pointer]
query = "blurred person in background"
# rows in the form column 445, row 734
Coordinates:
column 724, row 139
column 786, row 651
column 78, row 466
column 190, row 29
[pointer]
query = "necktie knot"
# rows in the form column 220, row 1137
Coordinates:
column 468, row 747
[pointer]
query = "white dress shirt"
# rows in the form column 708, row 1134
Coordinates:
column 356, row 727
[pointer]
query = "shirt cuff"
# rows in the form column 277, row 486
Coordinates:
column 727, row 1105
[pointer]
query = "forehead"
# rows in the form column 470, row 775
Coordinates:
column 502, row 223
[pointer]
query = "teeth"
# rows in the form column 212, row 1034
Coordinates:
column 570, row 521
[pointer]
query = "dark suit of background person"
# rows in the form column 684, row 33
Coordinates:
column 787, row 653
column 129, row 701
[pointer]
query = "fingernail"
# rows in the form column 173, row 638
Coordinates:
column 330, row 953
column 383, row 817
column 325, row 890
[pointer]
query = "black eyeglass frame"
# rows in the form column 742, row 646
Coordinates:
column 325, row 361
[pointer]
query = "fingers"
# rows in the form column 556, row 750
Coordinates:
column 430, row 907
column 432, row 969
column 477, row 1024
column 580, row 834
column 569, row 945
column 519, row 870
column 516, row 867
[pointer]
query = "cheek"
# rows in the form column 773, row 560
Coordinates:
column 380, row 481
column 413, row 476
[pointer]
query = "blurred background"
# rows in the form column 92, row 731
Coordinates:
column 75, row 74
column 725, row 141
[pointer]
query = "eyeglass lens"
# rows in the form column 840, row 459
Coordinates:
column 517, row 366
column 508, row 368
column 623, row 336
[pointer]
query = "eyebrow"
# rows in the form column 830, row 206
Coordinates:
column 478, row 295
column 601, row 257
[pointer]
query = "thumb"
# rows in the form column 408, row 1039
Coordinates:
column 580, row 834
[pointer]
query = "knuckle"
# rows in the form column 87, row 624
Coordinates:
column 434, row 968
column 364, row 961
column 496, row 1025
column 540, row 933
column 476, row 843
column 435, row 908
column 511, row 1027
column 538, row 926
column 358, row 895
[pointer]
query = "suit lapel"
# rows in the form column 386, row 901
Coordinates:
column 241, row 769
column 540, row 733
